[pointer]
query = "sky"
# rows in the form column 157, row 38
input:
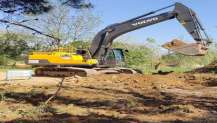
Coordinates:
column 115, row 11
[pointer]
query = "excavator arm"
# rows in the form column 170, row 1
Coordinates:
column 103, row 40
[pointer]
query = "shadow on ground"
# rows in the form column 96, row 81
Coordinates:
column 67, row 118
column 211, row 82
column 121, row 105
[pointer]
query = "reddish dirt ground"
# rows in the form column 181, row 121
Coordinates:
column 119, row 98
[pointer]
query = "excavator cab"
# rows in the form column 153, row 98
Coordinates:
column 115, row 57
column 83, row 52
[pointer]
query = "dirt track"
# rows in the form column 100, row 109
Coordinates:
column 124, row 98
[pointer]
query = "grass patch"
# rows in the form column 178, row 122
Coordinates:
column 4, row 68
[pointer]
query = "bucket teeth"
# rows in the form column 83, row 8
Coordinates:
column 192, row 49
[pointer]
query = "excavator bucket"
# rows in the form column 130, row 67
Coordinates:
column 192, row 49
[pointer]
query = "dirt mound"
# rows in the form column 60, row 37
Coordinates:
column 210, row 68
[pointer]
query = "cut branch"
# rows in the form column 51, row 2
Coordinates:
column 57, row 91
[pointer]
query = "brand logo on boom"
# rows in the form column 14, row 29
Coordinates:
column 145, row 21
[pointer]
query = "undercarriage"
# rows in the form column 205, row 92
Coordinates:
column 83, row 72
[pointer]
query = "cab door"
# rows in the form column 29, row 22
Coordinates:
column 115, row 57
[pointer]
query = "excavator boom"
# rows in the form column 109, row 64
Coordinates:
column 101, row 56
column 187, row 17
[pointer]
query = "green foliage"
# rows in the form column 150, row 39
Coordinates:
column 138, row 57
column 80, row 44
column 189, row 61
column 3, row 60
column 181, row 63
column 39, row 6
column 172, row 59
column 12, row 44
column 142, row 57
column 146, row 57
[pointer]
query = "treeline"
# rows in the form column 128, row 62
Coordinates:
column 149, row 58
column 146, row 57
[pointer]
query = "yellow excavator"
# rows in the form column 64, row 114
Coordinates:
column 102, row 58
column 62, row 56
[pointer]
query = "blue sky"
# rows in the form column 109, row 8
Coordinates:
column 114, row 11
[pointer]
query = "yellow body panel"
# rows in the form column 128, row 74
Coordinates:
column 62, row 58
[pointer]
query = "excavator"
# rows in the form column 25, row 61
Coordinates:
column 102, row 58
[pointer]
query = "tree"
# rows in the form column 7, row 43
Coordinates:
column 138, row 56
column 54, row 24
column 83, row 25
column 38, row 6
column 13, row 44
column 18, row 9
column 80, row 44
column 61, row 24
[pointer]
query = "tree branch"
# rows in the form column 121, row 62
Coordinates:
column 57, row 91
column 30, row 28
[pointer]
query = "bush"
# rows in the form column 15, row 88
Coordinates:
column 140, row 57
column 4, row 60
column 12, row 44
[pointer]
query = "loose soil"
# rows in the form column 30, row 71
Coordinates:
column 114, row 98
